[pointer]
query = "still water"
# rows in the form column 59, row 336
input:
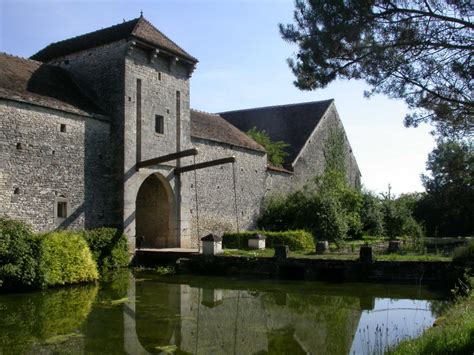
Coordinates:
column 145, row 313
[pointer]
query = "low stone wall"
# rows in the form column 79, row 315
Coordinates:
column 413, row 272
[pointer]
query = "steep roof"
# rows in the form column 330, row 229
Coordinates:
column 41, row 84
column 292, row 123
column 213, row 127
column 138, row 28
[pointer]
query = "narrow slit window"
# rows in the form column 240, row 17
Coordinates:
column 62, row 128
column 159, row 124
column 62, row 209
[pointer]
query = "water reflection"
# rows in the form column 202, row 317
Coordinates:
column 198, row 315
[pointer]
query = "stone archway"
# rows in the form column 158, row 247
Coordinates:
column 155, row 217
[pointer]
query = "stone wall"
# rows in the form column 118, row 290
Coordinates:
column 41, row 165
column 278, row 183
column 160, row 80
column 215, row 189
column 99, row 72
column 311, row 161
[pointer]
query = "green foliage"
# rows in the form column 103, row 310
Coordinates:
column 418, row 51
column 18, row 254
column 464, row 256
column 165, row 270
column 66, row 259
column 371, row 214
column 398, row 217
column 453, row 333
column 328, row 208
column 295, row 239
column 275, row 149
column 446, row 208
column 334, row 150
column 109, row 247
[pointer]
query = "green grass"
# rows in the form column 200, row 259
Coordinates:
column 453, row 333
column 268, row 253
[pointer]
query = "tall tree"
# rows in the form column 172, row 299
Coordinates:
column 417, row 50
column 447, row 206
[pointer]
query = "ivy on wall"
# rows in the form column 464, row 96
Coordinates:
column 334, row 150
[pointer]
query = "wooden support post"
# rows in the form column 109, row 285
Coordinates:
column 165, row 158
column 203, row 165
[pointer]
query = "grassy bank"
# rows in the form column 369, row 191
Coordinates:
column 452, row 334
column 268, row 253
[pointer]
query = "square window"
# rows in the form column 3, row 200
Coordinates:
column 159, row 124
column 62, row 209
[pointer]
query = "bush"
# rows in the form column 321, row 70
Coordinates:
column 109, row 247
column 18, row 259
column 65, row 258
column 295, row 239
column 464, row 256
column 327, row 208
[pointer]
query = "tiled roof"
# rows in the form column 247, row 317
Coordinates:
column 292, row 123
column 40, row 84
column 213, row 127
column 138, row 28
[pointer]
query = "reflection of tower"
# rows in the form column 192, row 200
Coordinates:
column 131, row 344
column 211, row 297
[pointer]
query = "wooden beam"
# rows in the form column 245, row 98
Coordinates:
column 165, row 158
column 203, row 165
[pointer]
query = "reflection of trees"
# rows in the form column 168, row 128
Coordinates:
column 40, row 317
column 104, row 329
column 317, row 320
column 438, row 307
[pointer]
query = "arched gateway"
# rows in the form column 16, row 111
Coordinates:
column 156, row 214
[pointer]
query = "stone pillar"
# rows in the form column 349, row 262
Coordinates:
column 281, row 252
column 211, row 244
column 256, row 241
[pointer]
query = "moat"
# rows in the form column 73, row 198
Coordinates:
column 147, row 313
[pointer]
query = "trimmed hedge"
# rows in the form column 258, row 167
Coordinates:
column 109, row 247
column 18, row 254
column 65, row 258
column 295, row 239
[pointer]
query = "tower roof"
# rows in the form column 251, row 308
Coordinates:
column 139, row 28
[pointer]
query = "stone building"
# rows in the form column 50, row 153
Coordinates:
column 97, row 130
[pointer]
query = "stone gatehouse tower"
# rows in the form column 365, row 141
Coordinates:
column 83, row 119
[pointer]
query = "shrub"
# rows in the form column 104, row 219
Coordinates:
column 327, row 208
column 18, row 262
column 464, row 256
column 65, row 258
column 295, row 239
column 371, row 214
column 109, row 247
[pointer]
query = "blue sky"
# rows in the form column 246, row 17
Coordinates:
column 242, row 63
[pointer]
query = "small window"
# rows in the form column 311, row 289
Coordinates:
column 62, row 128
column 19, row 146
column 62, row 209
column 159, row 124
column 159, row 76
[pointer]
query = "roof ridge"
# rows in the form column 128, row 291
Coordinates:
column 141, row 18
column 278, row 106
column 85, row 34
column 22, row 58
column 207, row 113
